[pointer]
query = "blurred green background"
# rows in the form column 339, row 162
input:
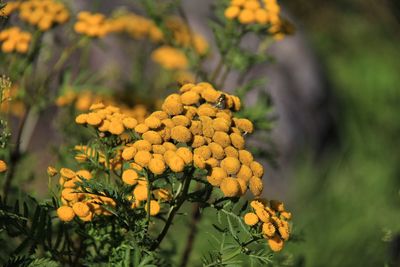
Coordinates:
column 347, row 202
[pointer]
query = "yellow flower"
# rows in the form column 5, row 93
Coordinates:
column 261, row 16
column 244, row 173
column 206, row 110
column 250, row 219
column 116, row 127
column 237, row 140
column 129, row 123
column 141, row 128
column 220, row 124
column 169, row 146
column 257, row 204
column 231, row 165
column 157, row 166
column 143, row 157
column 196, row 128
column 198, row 141
column 153, row 137
column 87, row 218
column 245, row 157
column 277, row 205
column 65, row 213
column 154, row 207
column 185, row 154
column 176, row 163
column 246, row 16
column 67, row 173
column 216, row 176
column 130, row 177
column 221, row 138
column 257, row 169
column 262, row 214
column 230, row 187
column 199, row 162
column 128, row 153
column 245, row 125
column 268, row 229
column 142, row 145
column 256, row 185
column 152, row 122
column 287, row 215
column 181, row 134
column 190, row 98
column 170, row 58
column 275, row 243
column 232, row 12
column 181, row 120
column 203, row 151
column 284, row 232
column 81, row 209
column 140, row 192
column 217, row 150
column 69, row 194
column 230, row 151
column 173, row 105
column 3, row 166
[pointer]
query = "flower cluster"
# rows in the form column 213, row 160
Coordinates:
column 91, row 24
column 43, row 13
column 84, row 99
column 107, row 119
column 197, row 127
column 255, row 11
column 3, row 166
column 77, row 203
column 14, row 39
column 271, row 219
column 170, row 58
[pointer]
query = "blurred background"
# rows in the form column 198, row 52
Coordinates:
column 346, row 199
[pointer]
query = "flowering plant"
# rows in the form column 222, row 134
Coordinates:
column 138, row 162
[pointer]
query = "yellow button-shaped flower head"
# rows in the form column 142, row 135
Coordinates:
column 221, row 138
column 130, row 177
column 152, row 122
column 116, row 127
column 153, row 137
column 129, row 152
column 81, row 209
column 216, row 176
column 142, row 145
column 257, row 169
column 157, row 166
column 237, row 140
column 129, row 123
column 81, row 119
column 93, row 119
column 268, row 229
column 154, row 207
column 176, row 163
column 173, row 105
column 250, row 218
column 181, row 134
column 231, row 165
column 256, row 185
column 140, row 192
column 275, row 243
column 190, row 98
column 143, row 158
column 3, row 166
column 185, row 154
column 232, row 12
column 245, row 157
column 221, row 124
column 247, row 16
column 65, row 213
column 230, row 187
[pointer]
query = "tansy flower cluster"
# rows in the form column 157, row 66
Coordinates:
column 271, row 219
column 14, row 39
column 77, row 203
column 256, row 11
column 197, row 127
column 107, row 119
column 43, row 13
column 92, row 24
column 83, row 100
column 170, row 58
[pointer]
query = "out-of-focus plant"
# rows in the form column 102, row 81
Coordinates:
column 137, row 159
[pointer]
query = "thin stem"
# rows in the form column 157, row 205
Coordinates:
column 174, row 209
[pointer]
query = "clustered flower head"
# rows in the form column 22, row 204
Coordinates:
column 197, row 127
column 256, row 11
column 15, row 40
column 75, row 202
column 84, row 99
column 107, row 119
column 43, row 13
column 170, row 58
column 270, row 218
column 92, row 24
